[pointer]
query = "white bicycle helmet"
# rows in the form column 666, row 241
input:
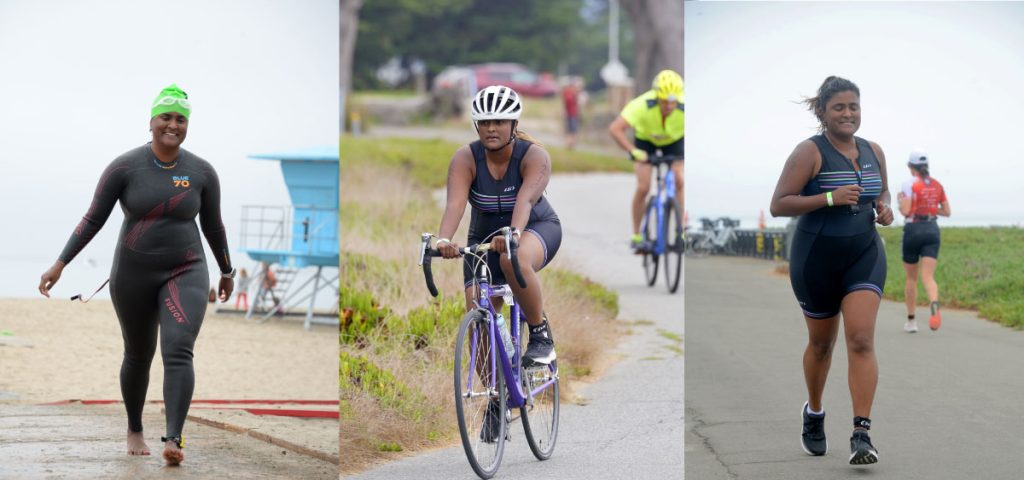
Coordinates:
column 496, row 102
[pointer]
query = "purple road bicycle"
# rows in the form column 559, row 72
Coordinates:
column 490, row 378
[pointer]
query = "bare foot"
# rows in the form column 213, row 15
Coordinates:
column 137, row 444
column 173, row 455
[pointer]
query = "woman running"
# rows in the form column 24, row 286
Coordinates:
column 158, row 281
column 503, row 175
column 922, row 200
column 836, row 183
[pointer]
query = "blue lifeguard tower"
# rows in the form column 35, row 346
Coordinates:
column 292, row 239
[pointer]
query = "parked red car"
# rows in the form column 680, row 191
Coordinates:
column 516, row 77
column 475, row 77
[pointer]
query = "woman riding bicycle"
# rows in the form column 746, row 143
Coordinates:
column 503, row 175
column 922, row 199
column 657, row 119
column 836, row 183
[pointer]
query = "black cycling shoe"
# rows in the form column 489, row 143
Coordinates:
column 813, row 437
column 862, row 452
column 541, row 349
column 492, row 423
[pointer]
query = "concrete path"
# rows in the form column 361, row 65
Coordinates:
column 632, row 425
column 948, row 404
column 79, row 441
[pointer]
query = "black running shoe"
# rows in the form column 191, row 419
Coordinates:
column 862, row 452
column 541, row 349
column 492, row 423
column 813, row 437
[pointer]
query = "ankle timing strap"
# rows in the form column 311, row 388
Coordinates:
column 541, row 329
column 179, row 440
column 862, row 422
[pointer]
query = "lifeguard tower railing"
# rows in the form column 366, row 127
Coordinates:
column 288, row 238
column 290, row 230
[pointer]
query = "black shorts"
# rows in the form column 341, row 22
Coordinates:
column 920, row 239
column 674, row 149
column 548, row 230
column 825, row 269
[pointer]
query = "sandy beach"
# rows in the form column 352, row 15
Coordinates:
column 55, row 349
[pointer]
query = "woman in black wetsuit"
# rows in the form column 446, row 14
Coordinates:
column 159, row 279
column 836, row 183
column 503, row 176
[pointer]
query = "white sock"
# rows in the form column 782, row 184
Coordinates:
column 812, row 412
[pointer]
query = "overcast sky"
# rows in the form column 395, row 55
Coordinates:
column 78, row 78
column 942, row 77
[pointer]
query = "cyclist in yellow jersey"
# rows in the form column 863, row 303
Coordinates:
column 657, row 120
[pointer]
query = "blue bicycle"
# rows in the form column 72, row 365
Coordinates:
column 490, row 378
column 662, row 227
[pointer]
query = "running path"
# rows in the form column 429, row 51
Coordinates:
column 632, row 425
column 948, row 404
column 86, row 441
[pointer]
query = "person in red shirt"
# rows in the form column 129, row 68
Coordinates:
column 571, row 101
column 922, row 200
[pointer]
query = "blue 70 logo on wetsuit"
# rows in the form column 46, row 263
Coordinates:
column 180, row 181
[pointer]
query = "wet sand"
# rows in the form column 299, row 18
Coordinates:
column 86, row 441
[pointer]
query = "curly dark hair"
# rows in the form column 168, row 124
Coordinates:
column 828, row 89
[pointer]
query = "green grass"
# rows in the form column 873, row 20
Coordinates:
column 675, row 337
column 672, row 348
column 358, row 373
column 382, row 94
column 980, row 269
column 577, row 285
column 389, row 447
column 426, row 160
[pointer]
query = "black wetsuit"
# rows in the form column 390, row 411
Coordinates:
column 493, row 200
column 159, row 279
column 836, row 250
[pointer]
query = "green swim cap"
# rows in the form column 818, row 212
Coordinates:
column 171, row 99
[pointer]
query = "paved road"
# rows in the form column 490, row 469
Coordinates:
column 948, row 404
column 632, row 426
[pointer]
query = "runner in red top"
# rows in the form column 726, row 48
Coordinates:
column 922, row 200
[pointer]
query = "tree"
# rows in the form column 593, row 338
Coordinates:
column 556, row 36
column 657, row 37
column 349, row 28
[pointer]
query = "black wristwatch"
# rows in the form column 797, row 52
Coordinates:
column 230, row 274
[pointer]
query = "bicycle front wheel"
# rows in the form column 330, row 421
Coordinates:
column 650, row 254
column 479, row 395
column 540, row 418
column 672, row 232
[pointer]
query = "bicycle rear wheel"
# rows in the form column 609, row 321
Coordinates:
column 476, row 369
column 650, row 255
column 540, row 420
column 674, row 245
